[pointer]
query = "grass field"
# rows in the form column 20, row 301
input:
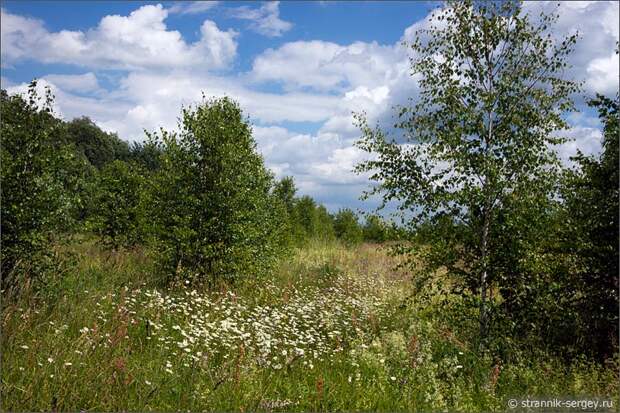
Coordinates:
column 335, row 328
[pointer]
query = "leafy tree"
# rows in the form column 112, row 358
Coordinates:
column 591, row 235
column 97, row 146
column 305, row 218
column 213, row 211
column 40, row 175
column 285, row 191
column 347, row 227
column 310, row 221
column 375, row 229
column 324, row 229
column 118, row 209
column 147, row 154
column 491, row 97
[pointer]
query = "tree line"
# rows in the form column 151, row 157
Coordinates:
column 201, row 196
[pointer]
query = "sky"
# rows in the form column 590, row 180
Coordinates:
column 298, row 69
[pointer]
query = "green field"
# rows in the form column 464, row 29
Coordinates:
column 336, row 328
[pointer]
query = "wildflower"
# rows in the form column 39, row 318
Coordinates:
column 168, row 371
column 393, row 378
column 148, row 383
column 84, row 330
column 50, row 360
column 459, row 367
column 68, row 364
column 25, row 347
column 350, row 378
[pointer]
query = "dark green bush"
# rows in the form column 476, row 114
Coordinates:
column 40, row 176
column 347, row 227
column 118, row 210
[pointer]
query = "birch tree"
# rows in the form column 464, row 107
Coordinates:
column 492, row 94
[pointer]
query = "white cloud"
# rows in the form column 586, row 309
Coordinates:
column 86, row 82
column 323, row 82
column 593, row 60
column 192, row 7
column 603, row 74
column 67, row 105
column 138, row 41
column 265, row 20
column 325, row 66
column 585, row 139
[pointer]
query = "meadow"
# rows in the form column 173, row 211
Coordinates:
column 335, row 328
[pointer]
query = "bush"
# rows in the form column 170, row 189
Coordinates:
column 591, row 236
column 214, row 213
column 40, row 174
column 375, row 229
column 96, row 145
column 117, row 209
column 347, row 228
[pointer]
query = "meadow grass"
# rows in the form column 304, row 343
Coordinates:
column 334, row 328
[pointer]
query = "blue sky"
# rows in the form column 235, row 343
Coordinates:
column 299, row 70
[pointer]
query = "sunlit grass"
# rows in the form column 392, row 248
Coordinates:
column 330, row 330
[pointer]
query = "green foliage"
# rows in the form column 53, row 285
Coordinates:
column 96, row 145
column 305, row 217
column 377, row 230
column 40, row 176
column 118, row 211
column 347, row 228
column 591, row 236
column 310, row 221
column 284, row 190
column 147, row 154
column 214, row 216
column 109, row 341
column 482, row 133
column 324, row 229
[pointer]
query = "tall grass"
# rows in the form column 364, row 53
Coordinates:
column 334, row 328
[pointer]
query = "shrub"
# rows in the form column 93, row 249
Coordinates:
column 347, row 228
column 40, row 173
column 117, row 209
column 214, row 213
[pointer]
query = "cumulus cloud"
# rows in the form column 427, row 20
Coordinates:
column 322, row 164
column 137, row 41
column 322, row 82
column 326, row 66
column 264, row 20
column 594, row 60
column 587, row 140
column 86, row 82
